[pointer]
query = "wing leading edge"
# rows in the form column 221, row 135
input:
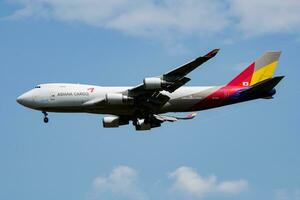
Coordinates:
column 173, row 79
column 190, row 66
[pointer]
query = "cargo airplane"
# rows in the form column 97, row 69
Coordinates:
column 146, row 104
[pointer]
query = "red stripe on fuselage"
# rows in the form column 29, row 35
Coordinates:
column 216, row 98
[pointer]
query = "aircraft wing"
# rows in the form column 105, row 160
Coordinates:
column 148, row 95
column 183, row 70
column 176, row 78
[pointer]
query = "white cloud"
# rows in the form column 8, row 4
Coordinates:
column 259, row 17
column 232, row 187
column 122, row 181
column 287, row 194
column 281, row 194
column 189, row 182
column 171, row 19
column 137, row 17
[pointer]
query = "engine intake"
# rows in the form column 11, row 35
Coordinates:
column 143, row 125
column 113, row 122
column 118, row 99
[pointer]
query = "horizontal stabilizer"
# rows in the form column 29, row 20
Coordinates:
column 263, row 86
column 164, row 118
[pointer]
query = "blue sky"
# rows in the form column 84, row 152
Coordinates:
column 245, row 151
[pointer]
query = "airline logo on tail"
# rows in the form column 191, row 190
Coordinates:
column 261, row 69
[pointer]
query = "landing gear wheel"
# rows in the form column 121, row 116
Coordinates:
column 134, row 122
column 46, row 119
column 137, row 127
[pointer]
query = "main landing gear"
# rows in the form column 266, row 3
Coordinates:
column 46, row 119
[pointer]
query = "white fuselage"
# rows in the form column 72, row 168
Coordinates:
column 65, row 97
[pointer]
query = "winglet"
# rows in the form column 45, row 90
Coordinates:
column 212, row 53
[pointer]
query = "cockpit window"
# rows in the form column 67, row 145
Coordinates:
column 37, row 86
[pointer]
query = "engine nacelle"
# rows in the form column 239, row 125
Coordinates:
column 118, row 99
column 152, row 83
column 113, row 122
column 141, row 125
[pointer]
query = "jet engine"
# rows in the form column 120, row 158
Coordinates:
column 113, row 122
column 152, row 83
column 118, row 99
column 141, row 125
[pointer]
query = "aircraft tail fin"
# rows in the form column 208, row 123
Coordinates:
column 261, row 69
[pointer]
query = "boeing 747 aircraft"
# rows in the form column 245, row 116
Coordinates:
column 146, row 103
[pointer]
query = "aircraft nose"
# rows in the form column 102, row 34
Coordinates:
column 25, row 99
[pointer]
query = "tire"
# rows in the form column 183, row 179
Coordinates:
column 137, row 127
column 46, row 119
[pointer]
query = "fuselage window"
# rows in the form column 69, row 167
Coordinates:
column 37, row 86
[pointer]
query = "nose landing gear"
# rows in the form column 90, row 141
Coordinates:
column 46, row 119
